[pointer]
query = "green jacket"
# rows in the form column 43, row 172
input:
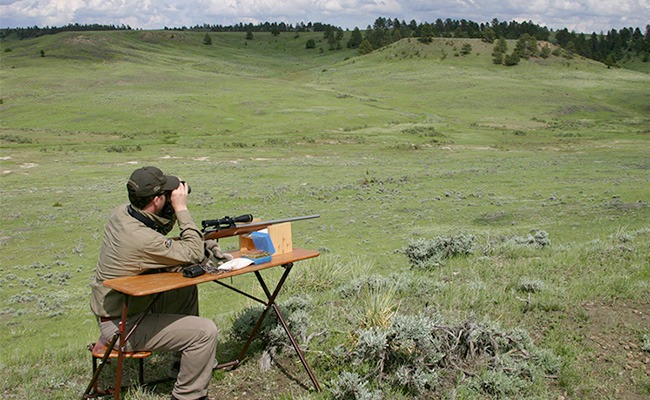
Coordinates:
column 131, row 248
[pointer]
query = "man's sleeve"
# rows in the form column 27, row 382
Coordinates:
column 167, row 252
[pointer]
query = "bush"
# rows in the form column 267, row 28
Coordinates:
column 645, row 342
column 350, row 386
column 511, row 59
column 412, row 353
column 123, row 149
column 15, row 139
column 428, row 253
column 295, row 311
column 528, row 285
column 536, row 238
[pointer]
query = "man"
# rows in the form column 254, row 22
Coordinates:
column 134, row 243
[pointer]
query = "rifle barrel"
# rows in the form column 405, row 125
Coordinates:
column 240, row 229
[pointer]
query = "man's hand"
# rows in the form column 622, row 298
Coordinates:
column 179, row 197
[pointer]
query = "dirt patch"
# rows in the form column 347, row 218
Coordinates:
column 286, row 376
column 614, row 357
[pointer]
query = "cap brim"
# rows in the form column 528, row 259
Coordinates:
column 171, row 183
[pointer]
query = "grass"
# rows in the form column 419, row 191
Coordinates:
column 410, row 142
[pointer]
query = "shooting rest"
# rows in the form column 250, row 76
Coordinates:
column 141, row 285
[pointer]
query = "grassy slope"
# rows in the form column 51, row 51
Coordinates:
column 411, row 141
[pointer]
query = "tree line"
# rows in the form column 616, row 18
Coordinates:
column 610, row 47
column 273, row 27
column 35, row 31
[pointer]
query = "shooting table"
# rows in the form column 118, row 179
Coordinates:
column 147, row 284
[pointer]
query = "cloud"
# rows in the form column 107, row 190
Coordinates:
column 579, row 15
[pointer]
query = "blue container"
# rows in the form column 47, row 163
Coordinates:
column 260, row 260
column 263, row 242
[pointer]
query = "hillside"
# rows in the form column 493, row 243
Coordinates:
column 532, row 177
column 163, row 77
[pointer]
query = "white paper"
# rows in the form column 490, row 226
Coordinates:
column 235, row 264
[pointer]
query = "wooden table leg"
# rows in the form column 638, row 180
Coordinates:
column 120, row 349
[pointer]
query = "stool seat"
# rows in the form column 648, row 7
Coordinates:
column 98, row 349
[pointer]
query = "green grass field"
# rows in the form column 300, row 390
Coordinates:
column 409, row 143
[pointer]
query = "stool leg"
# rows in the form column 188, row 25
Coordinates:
column 98, row 370
column 94, row 383
column 141, row 371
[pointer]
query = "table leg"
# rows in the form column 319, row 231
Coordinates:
column 120, row 349
column 297, row 348
column 271, row 304
column 124, row 337
column 271, row 300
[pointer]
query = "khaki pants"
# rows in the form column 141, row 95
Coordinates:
column 174, row 325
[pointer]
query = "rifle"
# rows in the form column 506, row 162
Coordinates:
column 227, row 226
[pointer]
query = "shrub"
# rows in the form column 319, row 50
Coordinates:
column 511, row 59
column 350, row 386
column 428, row 253
column 528, row 285
column 123, row 149
column 645, row 342
column 415, row 380
column 15, row 139
column 356, row 286
column 410, row 355
column 536, row 238
column 371, row 344
column 295, row 311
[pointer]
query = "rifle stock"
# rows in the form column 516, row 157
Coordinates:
column 240, row 229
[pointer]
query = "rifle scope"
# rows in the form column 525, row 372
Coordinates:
column 226, row 222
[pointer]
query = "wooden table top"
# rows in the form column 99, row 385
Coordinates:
column 145, row 284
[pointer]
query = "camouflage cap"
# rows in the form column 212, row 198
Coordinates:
column 148, row 181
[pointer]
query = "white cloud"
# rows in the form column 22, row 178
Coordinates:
column 579, row 15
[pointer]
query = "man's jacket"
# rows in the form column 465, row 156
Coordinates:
column 131, row 248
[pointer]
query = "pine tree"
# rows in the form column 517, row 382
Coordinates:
column 355, row 39
column 500, row 48
column 365, row 47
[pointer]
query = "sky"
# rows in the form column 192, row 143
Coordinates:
column 582, row 16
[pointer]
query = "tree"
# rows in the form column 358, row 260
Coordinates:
column 355, row 39
column 275, row 31
column 365, row 47
column 207, row 40
column 332, row 42
column 466, row 49
column 426, row 33
column 488, row 35
column 610, row 61
column 511, row 59
column 545, row 52
column 526, row 46
column 311, row 44
column 500, row 48
column 249, row 34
